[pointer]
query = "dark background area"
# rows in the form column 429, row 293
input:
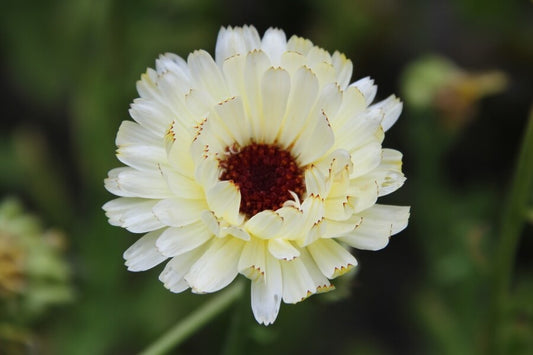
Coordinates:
column 68, row 71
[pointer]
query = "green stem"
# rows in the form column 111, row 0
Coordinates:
column 513, row 218
column 195, row 321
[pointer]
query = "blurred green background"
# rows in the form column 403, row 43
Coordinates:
column 464, row 69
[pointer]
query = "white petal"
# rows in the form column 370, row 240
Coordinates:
column 179, row 157
column 367, row 87
column 175, row 270
column 315, row 140
column 343, row 67
column 264, row 225
column 282, row 249
column 363, row 193
column 321, row 282
column 365, row 159
column 297, row 283
column 179, row 240
column 299, row 45
column 353, row 103
column 217, row 267
column 257, row 63
column 233, row 69
column 316, row 183
column 304, row 93
column 143, row 254
column 252, row 262
column 292, row 61
column 232, row 41
column 151, row 115
column 331, row 258
column 275, row 89
column 274, row 43
column 207, row 75
column 236, row 232
column 182, row 186
column 142, row 157
column 388, row 175
column 134, row 214
column 267, row 293
column 379, row 223
column 231, row 113
column 132, row 133
column 128, row 182
column 177, row 212
column 392, row 108
column 224, row 199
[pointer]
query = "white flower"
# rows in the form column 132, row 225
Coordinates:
column 265, row 162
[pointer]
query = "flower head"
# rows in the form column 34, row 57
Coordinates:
column 264, row 161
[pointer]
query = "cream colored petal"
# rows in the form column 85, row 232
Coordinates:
column 353, row 103
column 365, row 159
column 252, row 262
column 363, row 129
column 343, row 68
column 266, row 294
column 145, row 158
column 274, row 43
column 179, row 157
column 199, row 103
column 297, row 283
column 282, row 249
column 330, row 100
column 224, row 199
column 325, row 73
column 127, row 182
column 316, row 183
column 339, row 228
column 304, row 93
column 236, row 232
column 379, row 223
column 182, row 186
column 338, row 208
column 170, row 62
column 179, row 240
column 392, row 108
column 264, row 225
column 232, row 116
column 299, row 44
column 143, row 254
column 331, row 258
column 238, row 40
column 256, row 64
column 177, row 212
column 175, row 270
column 207, row 75
column 132, row 133
column 316, row 139
column 292, row 61
column 211, row 222
column 233, row 69
column 134, row 214
column 207, row 172
column 388, row 175
column 217, row 267
column 151, row 115
column 363, row 193
column 275, row 89
column 367, row 87
column 334, row 163
column 321, row 282
column 293, row 223
column 317, row 231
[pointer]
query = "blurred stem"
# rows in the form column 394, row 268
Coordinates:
column 234, row 344
column 512, row 222
column 195, row 321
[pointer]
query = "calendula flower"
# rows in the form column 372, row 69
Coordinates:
column 264, row 161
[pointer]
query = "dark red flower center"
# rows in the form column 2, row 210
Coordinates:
column 265, row 174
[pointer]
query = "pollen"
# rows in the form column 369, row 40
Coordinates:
column 265, row 174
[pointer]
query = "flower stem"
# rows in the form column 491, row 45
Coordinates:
column 512, row 222
column 194, row 321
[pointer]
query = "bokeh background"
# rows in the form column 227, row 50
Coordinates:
column 464, row 69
